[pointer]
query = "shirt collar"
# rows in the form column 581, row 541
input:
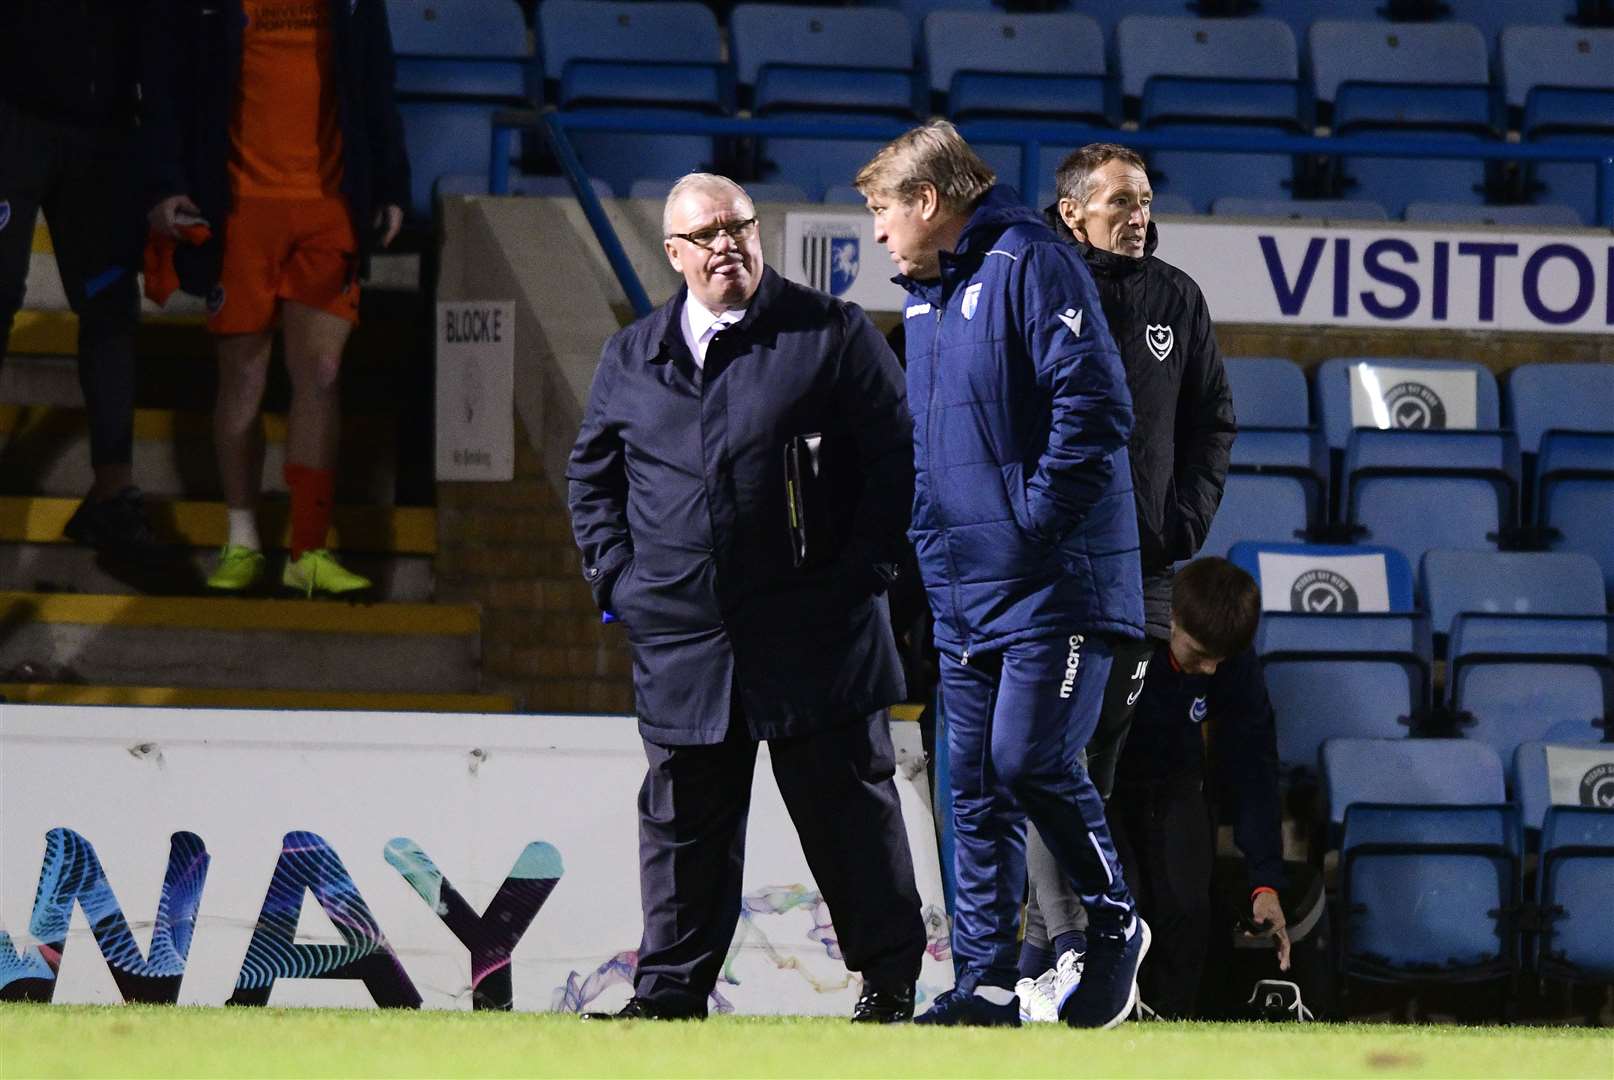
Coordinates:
column 701, row 318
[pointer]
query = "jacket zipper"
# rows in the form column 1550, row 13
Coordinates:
column 947, row 545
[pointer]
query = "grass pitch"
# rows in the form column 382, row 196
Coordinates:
column 147, row 1041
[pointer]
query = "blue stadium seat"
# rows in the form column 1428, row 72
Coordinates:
column 1210, row 75
column 844, row 195
column 1430, row 893
column 1564, row 414
column 1334, row 394
column 917, row 11
column 1516, row 678
column 1274, row 414
column 1424, row 490
column 993, row 64
column 1300, row 209
column 1418, row 82
column 1167, row 203
column 821, row 63
column 1532, row 779
column 1333, row 676
column 1265, row 507
column 761, row 191
column 1577, row 863
column 1300, row 14
column 1508, row 582
column 1492, row 17
column 530, row 184
column 619, row 55
column 1551, row 215
column 1376, row 579
column 1424, row 772
column 457, row 63
column 1567, row 397
column 1559, row 82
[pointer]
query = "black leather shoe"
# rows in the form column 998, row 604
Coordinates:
column 884, row 1005
column 640, row 1008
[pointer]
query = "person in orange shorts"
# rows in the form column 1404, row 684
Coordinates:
column 272, row 122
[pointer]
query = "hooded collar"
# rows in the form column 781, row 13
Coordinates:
column 999, row 208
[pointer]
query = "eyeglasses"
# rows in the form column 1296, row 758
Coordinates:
column 705, row 238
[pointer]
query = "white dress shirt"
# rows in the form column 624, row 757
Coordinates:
column 700, row 325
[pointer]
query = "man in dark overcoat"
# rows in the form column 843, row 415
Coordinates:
column 754, row 611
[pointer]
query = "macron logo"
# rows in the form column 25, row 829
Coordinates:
column 1072, row 320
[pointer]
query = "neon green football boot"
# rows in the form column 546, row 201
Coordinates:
column 238, row 569
column 318, row 571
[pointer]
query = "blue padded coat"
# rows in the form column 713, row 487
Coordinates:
column 1023, row 517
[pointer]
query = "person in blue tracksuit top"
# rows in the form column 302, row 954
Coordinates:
column 1027, row 540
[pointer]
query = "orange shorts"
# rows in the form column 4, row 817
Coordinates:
column 284, row 249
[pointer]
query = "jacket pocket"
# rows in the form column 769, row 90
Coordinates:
column 1014, row 485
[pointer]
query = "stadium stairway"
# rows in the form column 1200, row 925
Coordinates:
column 76, row 629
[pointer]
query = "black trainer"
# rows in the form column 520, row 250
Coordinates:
column 1108, row 992
column 642, row 1008
column 965, row 1008
column 884, row 1005
column 116, row 525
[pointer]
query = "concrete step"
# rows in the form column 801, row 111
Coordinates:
column 394, row 530
column 180, row 697
column 45, row 449
column 68, row 568
column 200, row 642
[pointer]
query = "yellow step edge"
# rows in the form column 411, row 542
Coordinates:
column 150, row 425
column 910, row 713
column 182, row 697
column 220, row 613
column 396, row 530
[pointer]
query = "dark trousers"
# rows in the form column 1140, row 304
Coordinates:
column 1017, row 723
column 85, row 179
column 1164, row 836
column 1052, row 906
column 837, row 785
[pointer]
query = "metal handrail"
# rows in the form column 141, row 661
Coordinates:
column 1029, row 136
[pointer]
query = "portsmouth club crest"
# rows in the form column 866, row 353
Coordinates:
column 972, row 300
column 831, row 258
column 1160, row 339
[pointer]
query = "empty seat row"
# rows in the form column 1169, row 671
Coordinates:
column 1432, row 875
column 1527, row 639
column 793, row 62
column 1414, row 455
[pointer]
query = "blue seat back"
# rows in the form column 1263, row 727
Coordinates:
column 1427, row 890
column 1049, row 43
column 1327, row 578
column 1247, row 48
column 1573, row 397
column 1400, row 382
column 1416, row 771
column 1344, row 50
column 1551, row 215
column 1555, row 56
column 1257, row 508
column 1296, row 209
column 464, row 29
column 770, row 35
column 666, row 52
column 1534, row 583
column 1577, row 863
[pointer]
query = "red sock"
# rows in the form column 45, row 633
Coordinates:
column 311, row 493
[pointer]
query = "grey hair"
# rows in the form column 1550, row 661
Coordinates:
column 1074, row 178
column 934, row 154
column 701, row 181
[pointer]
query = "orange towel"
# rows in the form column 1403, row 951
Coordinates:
column 158, row 260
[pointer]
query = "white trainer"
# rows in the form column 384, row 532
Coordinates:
column 1067, row 975
column 1037, row 1005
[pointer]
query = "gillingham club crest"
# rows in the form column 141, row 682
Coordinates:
column 831, row 257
